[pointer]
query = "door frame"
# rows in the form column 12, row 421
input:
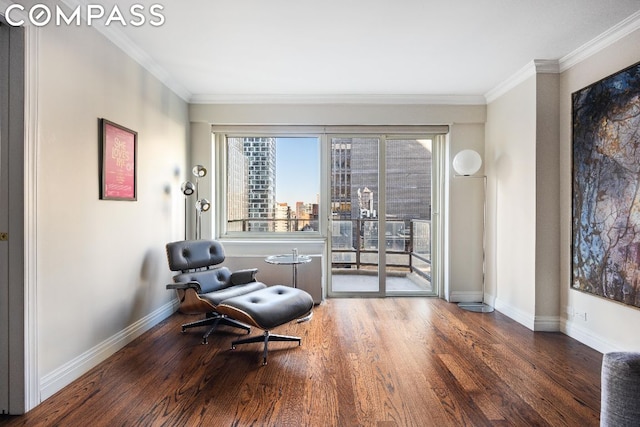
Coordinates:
column 23, row 393
column 437, row 189
column 13, row 147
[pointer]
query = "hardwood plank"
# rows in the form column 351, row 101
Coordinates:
column 362, row 362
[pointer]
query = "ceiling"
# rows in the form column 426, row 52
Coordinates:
column 210, row 50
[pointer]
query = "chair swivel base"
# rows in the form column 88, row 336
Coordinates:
column 214, row 321
column 266, row 337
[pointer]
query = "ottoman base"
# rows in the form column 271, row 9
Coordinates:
column 267, row 309
column 265, row 338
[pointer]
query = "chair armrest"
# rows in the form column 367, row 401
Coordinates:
column 241, row 277
column 185, row 285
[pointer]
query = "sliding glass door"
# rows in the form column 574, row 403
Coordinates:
column 408, row 208
column 381, row 215
column 355, row 200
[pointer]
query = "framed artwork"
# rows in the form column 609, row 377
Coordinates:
column 118, row 161
column 606, row 188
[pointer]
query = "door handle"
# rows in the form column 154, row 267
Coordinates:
column 4, row 236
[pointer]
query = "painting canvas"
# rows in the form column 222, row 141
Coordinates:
column 606, row 188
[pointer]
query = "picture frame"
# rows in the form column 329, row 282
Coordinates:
column 605, row 247
column 118, row 161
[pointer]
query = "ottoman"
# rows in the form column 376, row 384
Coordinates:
column 266, row 309
column 620, row 377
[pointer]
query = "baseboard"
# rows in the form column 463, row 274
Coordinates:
column 465, row 296
column 587, row 337
column 547, row 324
column 72, row 370
column 518, row 315
column 535, row 323
column 557, row 324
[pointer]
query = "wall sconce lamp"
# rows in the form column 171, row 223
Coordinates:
column 466, row 164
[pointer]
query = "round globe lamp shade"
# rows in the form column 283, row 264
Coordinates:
column 199, row 171
column 188, row 188
column 467, row 162
column 203, row 205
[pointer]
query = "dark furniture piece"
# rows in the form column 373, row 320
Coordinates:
column 267, row 309
column 202, row 283
column 620, row 389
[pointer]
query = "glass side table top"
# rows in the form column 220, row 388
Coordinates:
column 288, row 259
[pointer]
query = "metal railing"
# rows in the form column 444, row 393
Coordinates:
column 285, row 225
column 354, row 242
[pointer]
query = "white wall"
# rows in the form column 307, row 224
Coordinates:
column 528, row 162
column 511, row 201
column 547, row 256
column 101, row 265
column 335, row 114
column 609, row 325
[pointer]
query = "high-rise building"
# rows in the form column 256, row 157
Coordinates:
column 306, row 216
column 237, row 188
column 251, row 184
column 341, row 201
column 261, row 156
column 354, row 179
column 282, row 218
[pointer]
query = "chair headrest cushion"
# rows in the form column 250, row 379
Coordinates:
column 190, row 254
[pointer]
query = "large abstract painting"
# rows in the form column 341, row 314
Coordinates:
column 606, row 187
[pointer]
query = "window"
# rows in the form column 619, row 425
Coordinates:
column 272, row 184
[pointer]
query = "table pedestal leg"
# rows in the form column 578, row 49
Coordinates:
column 294, row 280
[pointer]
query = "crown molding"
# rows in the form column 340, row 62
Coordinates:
column 615, row 33
column 537, row 66
column 372, row 99
column 604, row 40
column 123, row 42
column 143, row 58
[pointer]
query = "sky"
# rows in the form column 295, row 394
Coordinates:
column 297, row 170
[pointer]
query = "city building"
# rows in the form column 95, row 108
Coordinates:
column 282, row 218
column 251, row 184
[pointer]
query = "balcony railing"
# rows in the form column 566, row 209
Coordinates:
column 285, row 225
column 354, row 243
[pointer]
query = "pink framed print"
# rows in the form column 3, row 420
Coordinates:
column 118, row 162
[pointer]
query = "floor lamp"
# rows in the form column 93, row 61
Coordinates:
column 466, row 164
column 202, row 205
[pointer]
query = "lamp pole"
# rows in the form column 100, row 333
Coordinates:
column 187, row 189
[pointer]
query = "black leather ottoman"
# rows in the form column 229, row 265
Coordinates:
column 266, row 309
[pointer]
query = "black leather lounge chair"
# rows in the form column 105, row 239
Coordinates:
column 202, row 284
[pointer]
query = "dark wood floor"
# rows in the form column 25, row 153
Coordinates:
column 363, row 362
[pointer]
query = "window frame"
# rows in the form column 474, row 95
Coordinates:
column 220, row 133
column 220, row 138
